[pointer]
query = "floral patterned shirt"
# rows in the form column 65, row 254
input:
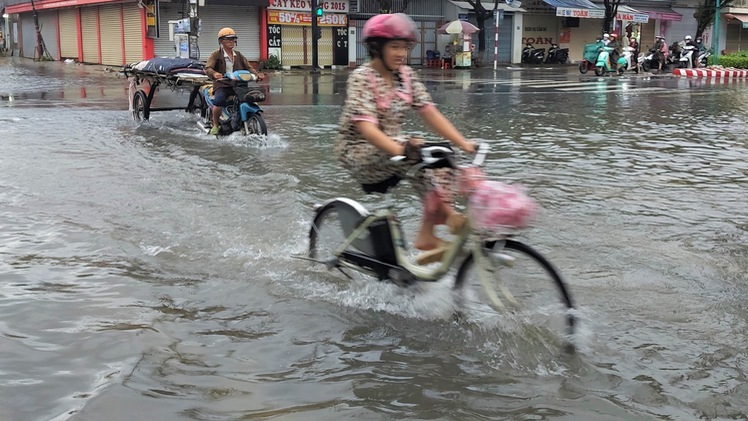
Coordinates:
column 371, row 99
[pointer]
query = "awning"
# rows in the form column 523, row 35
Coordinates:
column 738, row 17
column 630, row 14
column 664, row 13
column 576, row 9
column 572, row 4
column 502, row 6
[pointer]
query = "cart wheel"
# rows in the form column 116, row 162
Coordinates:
column 140, row 110
column 199, row 107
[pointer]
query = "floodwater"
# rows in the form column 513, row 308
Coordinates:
column 146, row 270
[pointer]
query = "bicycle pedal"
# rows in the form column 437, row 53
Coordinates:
column 432, row 256
column 504, row 259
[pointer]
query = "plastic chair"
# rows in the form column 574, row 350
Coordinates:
column 433, row 58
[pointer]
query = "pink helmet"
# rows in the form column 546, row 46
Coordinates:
column 390, row 26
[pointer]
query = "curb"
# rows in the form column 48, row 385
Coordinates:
column 698, row 73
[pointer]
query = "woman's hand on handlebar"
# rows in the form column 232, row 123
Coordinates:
column 469, row 147
column 412, row 149
column 260, row 75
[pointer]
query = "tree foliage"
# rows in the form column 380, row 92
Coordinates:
column 481, row 16
column 611, row 10
column 705, row 12
column 386, row 6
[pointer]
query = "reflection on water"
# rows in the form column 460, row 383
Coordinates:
column 149, row 267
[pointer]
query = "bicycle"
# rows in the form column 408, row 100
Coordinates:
column 373, row 243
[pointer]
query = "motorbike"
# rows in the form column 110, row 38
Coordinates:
column 242, row 114
column 603, row 64
column 532, row 55
column 589, row 58
column 685, row 61
column 704, row 58
column 629, row 61
column 648, row 60
column 557, row 55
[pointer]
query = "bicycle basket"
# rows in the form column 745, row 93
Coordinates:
column 498, row 208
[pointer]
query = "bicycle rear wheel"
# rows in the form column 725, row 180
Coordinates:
column 518, row 279
column 333, row 223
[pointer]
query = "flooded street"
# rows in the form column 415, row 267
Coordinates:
column 146, row 270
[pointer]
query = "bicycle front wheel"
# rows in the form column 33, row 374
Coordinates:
column 512, row 276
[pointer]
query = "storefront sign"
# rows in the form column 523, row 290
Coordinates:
column 633, row 17
column 305, row 19
column 569, row 12
column 337, row 6
column 274, row 36
column 151, row 18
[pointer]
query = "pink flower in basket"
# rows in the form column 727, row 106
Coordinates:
column 469, row 180
column 495, row 205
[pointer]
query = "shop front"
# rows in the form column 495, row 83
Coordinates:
column 289, row 32
column 663, row 21
column 736, row 32
column 99, row 33
column 581, row 23
column 510, row 20
column 217, row 14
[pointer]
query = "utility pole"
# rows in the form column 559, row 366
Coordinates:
column 715, row 35
column 316, row 33
column 40, row 51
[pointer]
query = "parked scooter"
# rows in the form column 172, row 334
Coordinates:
column 603, row 64
column 532, row 55
column 557, row 55
column 242, row 114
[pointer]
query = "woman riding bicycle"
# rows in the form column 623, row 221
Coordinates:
column 370, row 132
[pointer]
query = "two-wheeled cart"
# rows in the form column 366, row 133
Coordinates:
column 175, row 73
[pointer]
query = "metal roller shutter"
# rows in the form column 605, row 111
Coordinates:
column 48, row 24
column 68, row 34
column 245, row 20
column 133, row 33
column 110, row 21
column 162, row 47
column 90, row 34
column 297, row 46
column 28, row 36
column 292, row 53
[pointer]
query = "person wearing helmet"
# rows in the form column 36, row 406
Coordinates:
column 615, row 49
column 701, row 49
column 606, row 38
column 225, row 60
column 662, row 52
column 688, row 41
column 370, row 130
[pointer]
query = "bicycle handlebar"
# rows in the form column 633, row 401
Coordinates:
column 441, row 155
column 437, row 155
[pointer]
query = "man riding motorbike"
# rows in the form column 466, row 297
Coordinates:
column 225, row 60
column 688, row 42
column 701, row 50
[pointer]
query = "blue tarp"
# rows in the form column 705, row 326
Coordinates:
column 574, row 4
